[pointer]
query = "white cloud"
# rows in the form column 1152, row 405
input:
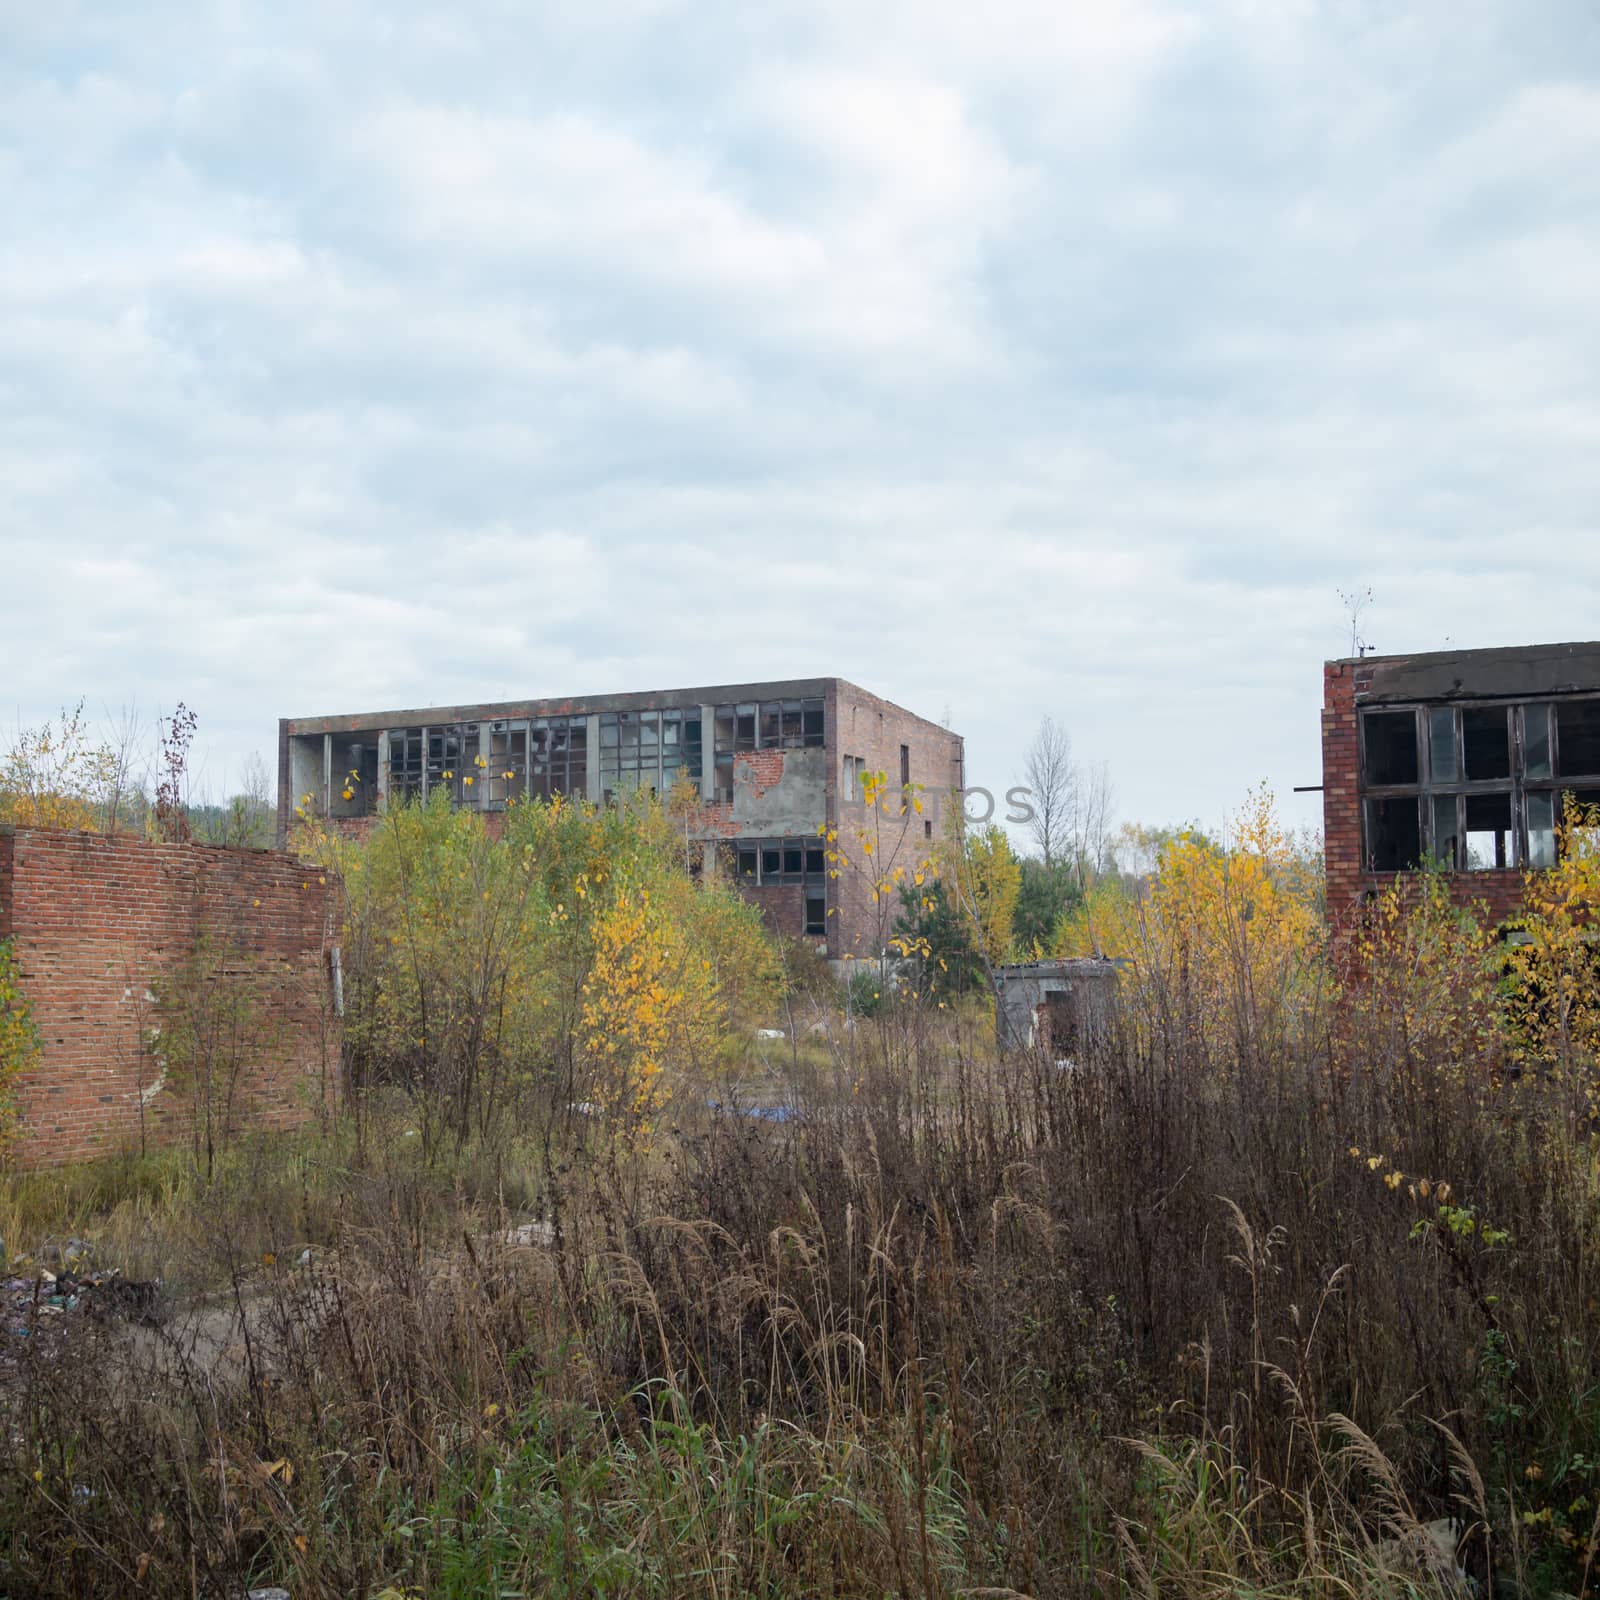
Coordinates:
column 1009, row 359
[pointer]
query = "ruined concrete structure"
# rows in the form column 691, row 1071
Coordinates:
column 103, row 929
column 1057, row 1006
column 1464, row 756
column 771, row 763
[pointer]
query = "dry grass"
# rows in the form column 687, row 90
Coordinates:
column 963, row 1327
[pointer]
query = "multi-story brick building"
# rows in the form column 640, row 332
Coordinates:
column 1464, row 756
column 771, row 763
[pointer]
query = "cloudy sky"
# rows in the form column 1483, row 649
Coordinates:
column 1040, row 355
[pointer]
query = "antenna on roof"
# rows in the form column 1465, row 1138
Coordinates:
column 1354, row 604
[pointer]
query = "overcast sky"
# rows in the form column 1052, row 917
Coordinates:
column 1009, row 358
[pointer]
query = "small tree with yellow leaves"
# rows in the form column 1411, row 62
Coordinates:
column 56, row 776
column 1225, row 940
column 1553, row 992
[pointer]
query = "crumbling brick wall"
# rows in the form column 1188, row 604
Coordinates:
column 99, row 925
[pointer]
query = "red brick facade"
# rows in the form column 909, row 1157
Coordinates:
column 1345, row 684
column 98, row 924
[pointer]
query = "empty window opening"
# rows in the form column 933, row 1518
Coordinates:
column 782, row 861
column 447, row 749
column 905, row 765
column 354, row 775
column 855, row 768
column 506, row 778
column 768, row 725
column 1390, row 740
column 1490, row 840
column 1394, row 834
column 1486, row 743
column 816, row 913
column 405, row 764
column 1578, row 738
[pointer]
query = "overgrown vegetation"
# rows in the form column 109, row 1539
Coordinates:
column 1299, row 1254
column 19, row 1039
column 128, row 778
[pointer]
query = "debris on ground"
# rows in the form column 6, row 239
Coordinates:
column 97, row 1292
column 523, row 1235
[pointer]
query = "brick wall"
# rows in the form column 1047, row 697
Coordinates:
column 5, row 884
column 1341, row 799
column 1497, row 893
column 860, row 724
column 98, row 923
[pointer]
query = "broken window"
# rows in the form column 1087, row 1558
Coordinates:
column 1394, row 834
column 1490, row 840
column 816, row 913
column 405, row 764
column 1578, row 738
column 446, row 751
column 1390, row 740
column 905, row 766
column 557, row 757
column 645, row 750
column 768, row 725
column 506, row 778
column 675, row 758
column 783, row 861
column 693, row 745
column 1486, row 743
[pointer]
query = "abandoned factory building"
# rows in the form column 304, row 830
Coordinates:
column 771, row 764
column 1464, row 757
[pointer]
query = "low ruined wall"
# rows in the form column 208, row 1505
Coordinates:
column 101, row 928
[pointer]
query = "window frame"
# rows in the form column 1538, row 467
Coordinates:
column 1432, row 790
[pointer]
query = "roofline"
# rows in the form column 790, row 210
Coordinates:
column 571, row 705
column 1506, row 652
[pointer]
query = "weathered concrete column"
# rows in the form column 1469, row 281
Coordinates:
column 591, row 759
column 708, row 753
